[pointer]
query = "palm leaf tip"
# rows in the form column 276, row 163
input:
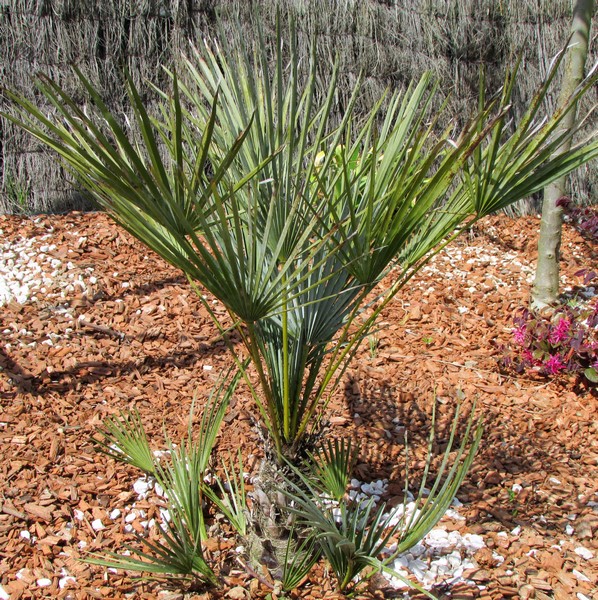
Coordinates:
column 331, row 465
column 124, row 439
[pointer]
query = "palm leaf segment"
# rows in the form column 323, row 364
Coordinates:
column 182, row 476
column 242, row 180
column 353, row 534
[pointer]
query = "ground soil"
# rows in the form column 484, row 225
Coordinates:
column 137, row 336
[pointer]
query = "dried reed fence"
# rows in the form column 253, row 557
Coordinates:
column 390, row 41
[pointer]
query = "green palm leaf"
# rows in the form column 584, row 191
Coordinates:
column 125, row 440
column 352, row 535
column 331, row 465
column 242, row 179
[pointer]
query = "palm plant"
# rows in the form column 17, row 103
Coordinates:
column 182, row 476
column 243, row 182
column 243, row 179
column 331, row 465
column 125, row 440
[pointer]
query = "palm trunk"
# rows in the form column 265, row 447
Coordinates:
column 268, row 533
column 546, row 282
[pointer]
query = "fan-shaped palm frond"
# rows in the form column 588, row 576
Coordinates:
column 242, row 179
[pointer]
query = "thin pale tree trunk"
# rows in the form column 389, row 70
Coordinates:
column 546, row 282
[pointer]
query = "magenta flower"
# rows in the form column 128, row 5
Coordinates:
column 554, row 364
column 560, row 332
column 565, row 343
column 519, row 334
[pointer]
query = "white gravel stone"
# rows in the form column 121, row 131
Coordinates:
column 165, row 515
column 97, row 525
column 27, row 268
column 473, row 542
column 441, row 555
column 131, row 517
column 142, row 486
column 64, row 581
column 437, row 538
column 580, row 575
column 584, row 553
column 44, row 582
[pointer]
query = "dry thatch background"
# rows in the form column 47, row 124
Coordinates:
column 392, row 41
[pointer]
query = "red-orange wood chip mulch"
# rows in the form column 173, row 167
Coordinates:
column 104, row 325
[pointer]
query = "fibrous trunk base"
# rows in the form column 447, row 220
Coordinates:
column 268, row 534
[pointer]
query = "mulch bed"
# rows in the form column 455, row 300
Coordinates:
column 133, row 334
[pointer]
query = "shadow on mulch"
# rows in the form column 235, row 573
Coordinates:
column 89, row 372
column 501, row 449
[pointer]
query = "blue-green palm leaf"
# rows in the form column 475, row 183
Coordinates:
column 242, row 178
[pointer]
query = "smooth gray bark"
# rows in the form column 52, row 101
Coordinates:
column 546, row 282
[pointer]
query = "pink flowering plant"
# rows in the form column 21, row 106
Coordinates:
column 563, row 343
